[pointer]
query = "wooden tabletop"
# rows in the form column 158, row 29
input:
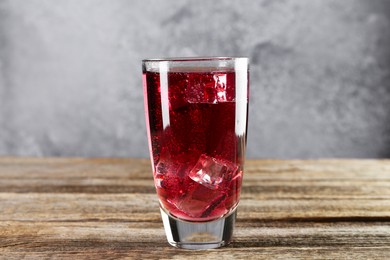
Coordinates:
column 107, row 209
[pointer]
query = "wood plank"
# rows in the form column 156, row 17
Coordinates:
column 351, row 234
column 107, row 208
column 102, row 239
column 135, row 207
column 117, row 252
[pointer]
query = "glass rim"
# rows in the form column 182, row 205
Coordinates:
column 196, row 59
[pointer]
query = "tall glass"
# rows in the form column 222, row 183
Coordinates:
column 196, row 116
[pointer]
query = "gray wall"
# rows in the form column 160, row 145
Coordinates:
column 70, row 72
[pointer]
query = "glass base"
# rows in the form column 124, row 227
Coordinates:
column 199, row 235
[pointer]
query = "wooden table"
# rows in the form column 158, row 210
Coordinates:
column 107, row 209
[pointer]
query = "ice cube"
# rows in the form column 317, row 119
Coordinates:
column 213, row 205
column 199, row 201
column 209, row 93
column 177, row 95
column 220, row 87
column 208, row 88
column 162, row 167
column 210, row 172
column 215, row 90
column 161, row 170
column 168, row 172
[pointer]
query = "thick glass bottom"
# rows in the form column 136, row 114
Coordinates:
column 199, row 235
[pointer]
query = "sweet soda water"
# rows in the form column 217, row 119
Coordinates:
column 197, row 135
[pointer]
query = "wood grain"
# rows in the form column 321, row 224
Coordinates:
column 107, row 209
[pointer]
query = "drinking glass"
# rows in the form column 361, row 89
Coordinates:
column 196, row 117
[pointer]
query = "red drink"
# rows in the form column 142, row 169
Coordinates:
column 197, row 138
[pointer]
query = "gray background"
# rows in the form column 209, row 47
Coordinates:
column 70, row 72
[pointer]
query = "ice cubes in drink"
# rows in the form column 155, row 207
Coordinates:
column 211, row 89
column 210, row 172
column 202, row 192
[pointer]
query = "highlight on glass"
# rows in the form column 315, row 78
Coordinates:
column 196, row 117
